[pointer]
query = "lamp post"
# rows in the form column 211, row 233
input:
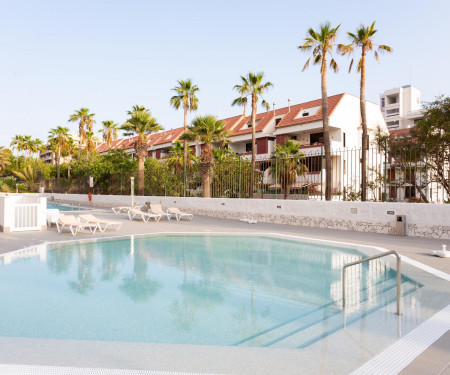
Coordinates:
column 132, row 192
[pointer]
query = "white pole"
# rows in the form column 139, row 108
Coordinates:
column 132, row 192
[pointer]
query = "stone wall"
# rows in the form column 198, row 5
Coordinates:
column 423, row 220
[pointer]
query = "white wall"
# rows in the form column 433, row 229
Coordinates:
column 7, row 209
column 425, row 220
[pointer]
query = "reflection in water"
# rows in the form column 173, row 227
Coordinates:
column 85, row 280
column 138, row 286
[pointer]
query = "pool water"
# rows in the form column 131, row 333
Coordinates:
column 189, row 289
column 64, row 207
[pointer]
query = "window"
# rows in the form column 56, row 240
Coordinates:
column 383, row 100
column 249, row 124
column 392, row 112
column 277, row 121
column 293, row 137
column 316, row 138
column 410, row 191
column 308, row 112
column 248, row 147
column 392, row 124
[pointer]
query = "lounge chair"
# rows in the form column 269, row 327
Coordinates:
column 52, row 216
column 102, row 223
column 124, row 209
column 74, row 225
column 132, row 213
column 179, row 214
column 157, row 209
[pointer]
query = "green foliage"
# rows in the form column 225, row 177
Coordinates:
column 29, row 175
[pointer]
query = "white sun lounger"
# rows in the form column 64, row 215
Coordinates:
column 132, row 213
column 74, row 225
column 157, row 209
column 179, row 214
column 123, row 209
column 102, row 223
column 52, row 216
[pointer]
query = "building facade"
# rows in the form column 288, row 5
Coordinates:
column 401, row 107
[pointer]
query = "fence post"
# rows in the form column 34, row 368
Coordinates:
column 239, row 176
column 385, row 170
column 276, row 176
column 165, row 182
column 321, row 173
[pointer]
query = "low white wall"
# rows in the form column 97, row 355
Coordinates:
column 423, row 220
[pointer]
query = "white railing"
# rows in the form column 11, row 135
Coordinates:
column 26, row 217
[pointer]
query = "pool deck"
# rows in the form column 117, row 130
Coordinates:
column 433, row 361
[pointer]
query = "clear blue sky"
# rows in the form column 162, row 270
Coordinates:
column 58, row 56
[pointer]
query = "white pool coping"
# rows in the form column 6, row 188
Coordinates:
column 390, row 362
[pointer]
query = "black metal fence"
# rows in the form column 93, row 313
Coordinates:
column 401, row 177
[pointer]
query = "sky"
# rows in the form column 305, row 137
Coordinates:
column 59, row 56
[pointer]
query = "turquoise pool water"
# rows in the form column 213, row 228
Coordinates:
column 189, row 289
column 64, row 207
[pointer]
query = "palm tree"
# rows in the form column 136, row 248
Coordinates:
column 4, row 158
column 321, row 43
column 140, row 123
column 363, row 38
column 185, row 97
column 37, row 146
column 29, row 174
column 241, row 100
column 17, row 144
column 252, row 85
column 27, row 145
column 176, row 157
column 91, row 142
column 58, row 138
column 206, row 129
column 287, row 164
column 85, row 123
column 70, row 148
column 110, row 132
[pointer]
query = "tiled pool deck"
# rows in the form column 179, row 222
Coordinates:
column 433, row 361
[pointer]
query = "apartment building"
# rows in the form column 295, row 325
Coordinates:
column 48, row 156
column 401, row 107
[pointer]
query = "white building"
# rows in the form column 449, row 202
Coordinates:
column 401, row 107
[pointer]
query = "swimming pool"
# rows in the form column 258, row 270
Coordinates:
column 64, row 207
column 220, row 290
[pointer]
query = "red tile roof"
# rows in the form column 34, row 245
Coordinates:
column 291, row 116
column 262, row 120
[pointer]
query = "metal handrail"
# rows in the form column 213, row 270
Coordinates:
column 399, row 270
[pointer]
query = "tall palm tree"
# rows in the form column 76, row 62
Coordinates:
column 185, row 97
column 17, row 144
column 91, row 142
column 110, row 132
column 321, row 43
column 70, row 148
column 85, row 123
column 38, row 145
column 252, row 85
column 242, row 99
column 27, row 145
column 363, row 38
column 287, row 164
column 175, row 159
column 140, row 123
column 58, row 138
column 206, row 129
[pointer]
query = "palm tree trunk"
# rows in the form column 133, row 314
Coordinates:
column 140, row 175
column 184, row 153
column 252, row 172
column 206, row 169
column 362, row 102
column 206, row 185
column 326, row 134
column 68, row 166
column 17, row 158
column 58, row 159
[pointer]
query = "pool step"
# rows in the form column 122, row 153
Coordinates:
column 281, row 334
column 335, row 322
